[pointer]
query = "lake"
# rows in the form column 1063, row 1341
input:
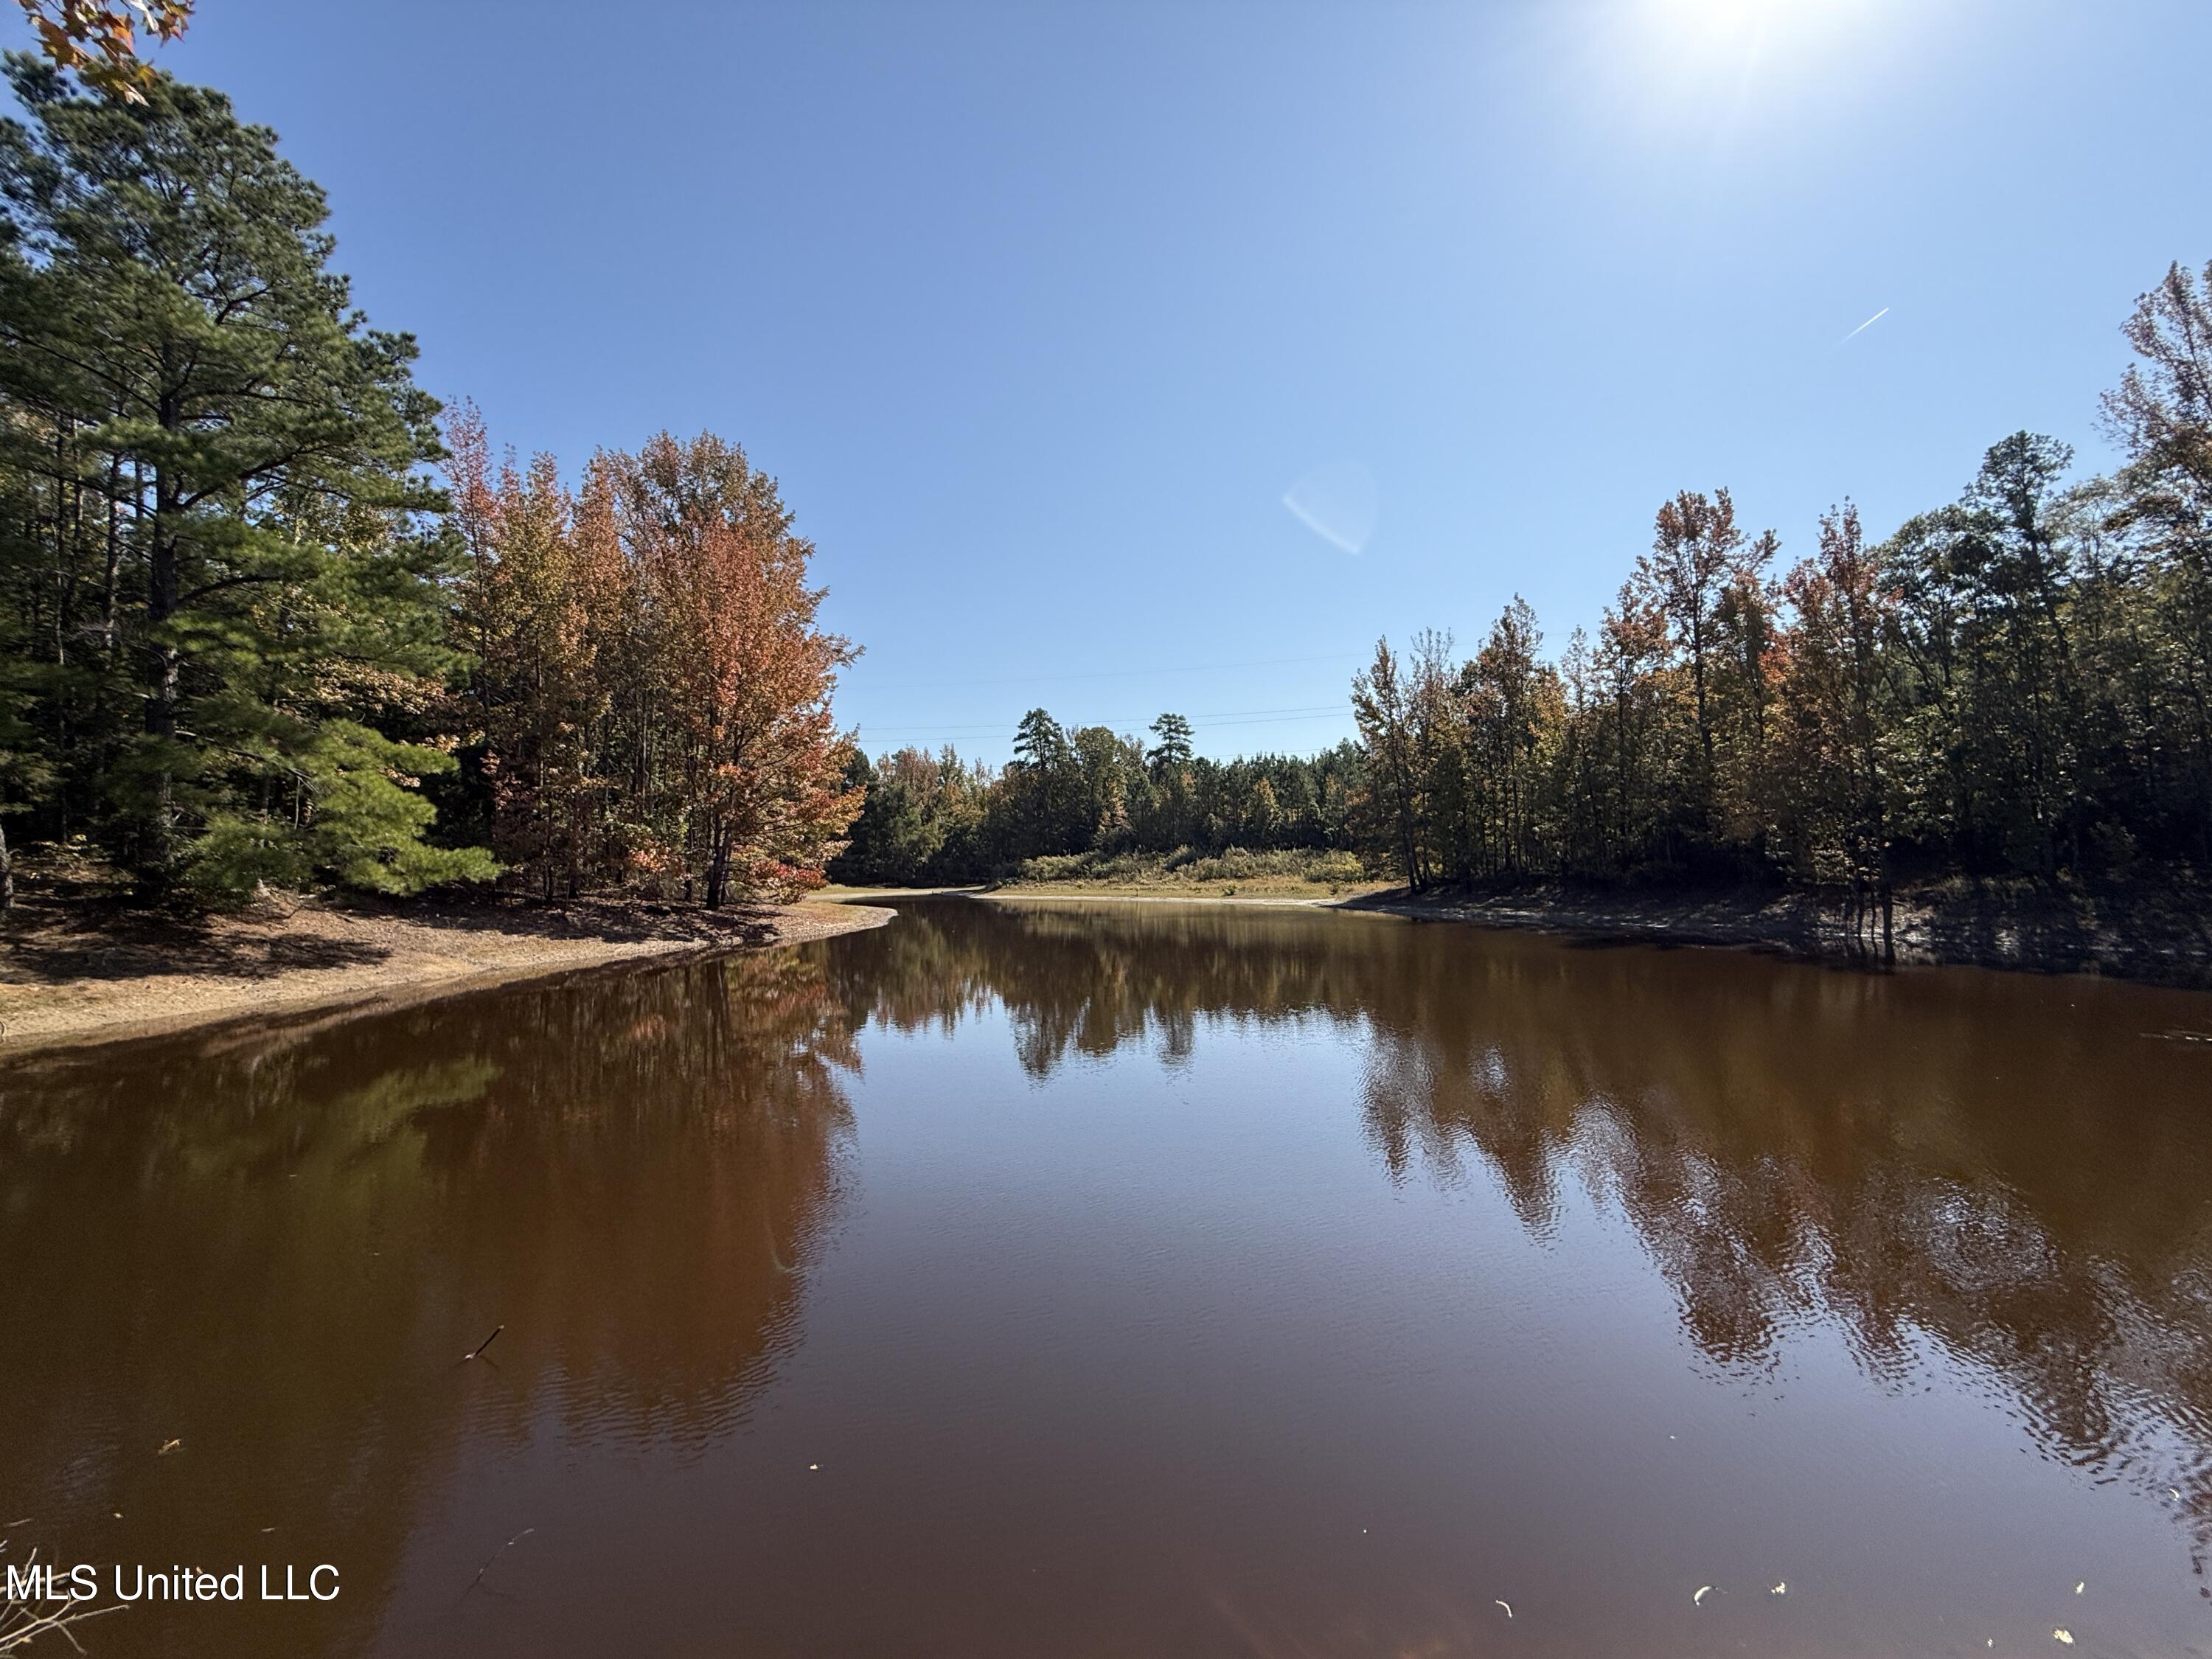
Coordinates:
column 1090, row 1280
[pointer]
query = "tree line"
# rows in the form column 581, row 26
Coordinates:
column 2014, row 684
column 935, row 818
column 268, row 618
column 251, row 635
column 2017, row 683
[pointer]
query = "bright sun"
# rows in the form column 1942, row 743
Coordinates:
column 1732, row 23
column 1727, row 66
column 1736, row 35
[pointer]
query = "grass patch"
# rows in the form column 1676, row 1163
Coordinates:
column 1299, row 872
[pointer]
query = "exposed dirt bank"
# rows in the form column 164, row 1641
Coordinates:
column 85, row 971
column 1267, row 889
column 1066, row 892
column 2162, row 935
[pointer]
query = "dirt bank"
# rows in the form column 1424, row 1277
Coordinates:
column 2163, row 935
column 1073, row 893
column 79, row 971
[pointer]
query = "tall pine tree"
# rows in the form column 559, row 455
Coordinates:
column 221, row 563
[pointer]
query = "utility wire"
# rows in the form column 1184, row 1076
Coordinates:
column 1115, row 673
column 1232, row 717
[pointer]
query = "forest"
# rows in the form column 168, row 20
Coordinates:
column 270, row 620
column 2014, row 684
column 935, row 819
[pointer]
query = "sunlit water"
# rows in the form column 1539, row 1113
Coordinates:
column 1137, row 1280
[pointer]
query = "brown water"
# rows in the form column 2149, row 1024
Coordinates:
column 1136, row 1280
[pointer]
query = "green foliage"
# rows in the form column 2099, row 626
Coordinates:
column 1188, row 865
column 235, row 613
column 1094, row 794
column 2012, row 686
column 2015, row 685
column 221, row 566
column 356, row 818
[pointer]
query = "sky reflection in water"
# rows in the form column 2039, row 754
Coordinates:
column 1109, row 1278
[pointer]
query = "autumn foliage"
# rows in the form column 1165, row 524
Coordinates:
column 98, row 39
column 2014, row 686
column 651, row 691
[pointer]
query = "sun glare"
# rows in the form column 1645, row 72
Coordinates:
column 1708, row 62
column 1727, row 20
column 1733, row 27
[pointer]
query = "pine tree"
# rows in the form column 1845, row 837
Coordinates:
column 227, row 568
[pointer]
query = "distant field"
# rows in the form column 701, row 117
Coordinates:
column 1231, row 874
column 1303, row 874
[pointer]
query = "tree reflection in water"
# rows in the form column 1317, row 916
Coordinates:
column 1153, row 1386
column 2013, row 1168
column 630, row 1172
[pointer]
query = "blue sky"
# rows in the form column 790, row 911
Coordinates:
column 1040, row 311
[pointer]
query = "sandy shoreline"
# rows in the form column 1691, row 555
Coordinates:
column 75, row 974
column 71, row 976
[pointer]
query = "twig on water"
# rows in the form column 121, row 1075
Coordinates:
column 477, row 1352
column 500, row 1551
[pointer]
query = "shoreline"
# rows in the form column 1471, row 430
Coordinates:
column 2156, row 937
column 75, row 974
column 1065, row 894
column 79, row 976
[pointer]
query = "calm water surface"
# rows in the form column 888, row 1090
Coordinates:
column 1137, row 1280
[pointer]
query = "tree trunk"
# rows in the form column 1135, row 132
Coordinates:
column 164, row 589
column 718, row 866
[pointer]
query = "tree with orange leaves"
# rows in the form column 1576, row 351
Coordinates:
column 1838, row 697
column 98, row 39
column 650, row 694
column 745, row 766
column 536, row 692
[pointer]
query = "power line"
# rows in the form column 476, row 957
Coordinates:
column 1116, row 673
column 1231, row 717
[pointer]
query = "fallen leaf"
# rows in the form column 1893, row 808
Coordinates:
column 168, row 1446
column 1703, row 1590
column 1782, row 1589
column 2066, row 1636
column 2079, row 1588
column 1508, row 1606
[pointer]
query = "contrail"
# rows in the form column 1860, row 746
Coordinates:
column 1865, row 326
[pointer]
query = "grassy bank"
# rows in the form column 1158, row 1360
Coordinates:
column 1235, row 873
